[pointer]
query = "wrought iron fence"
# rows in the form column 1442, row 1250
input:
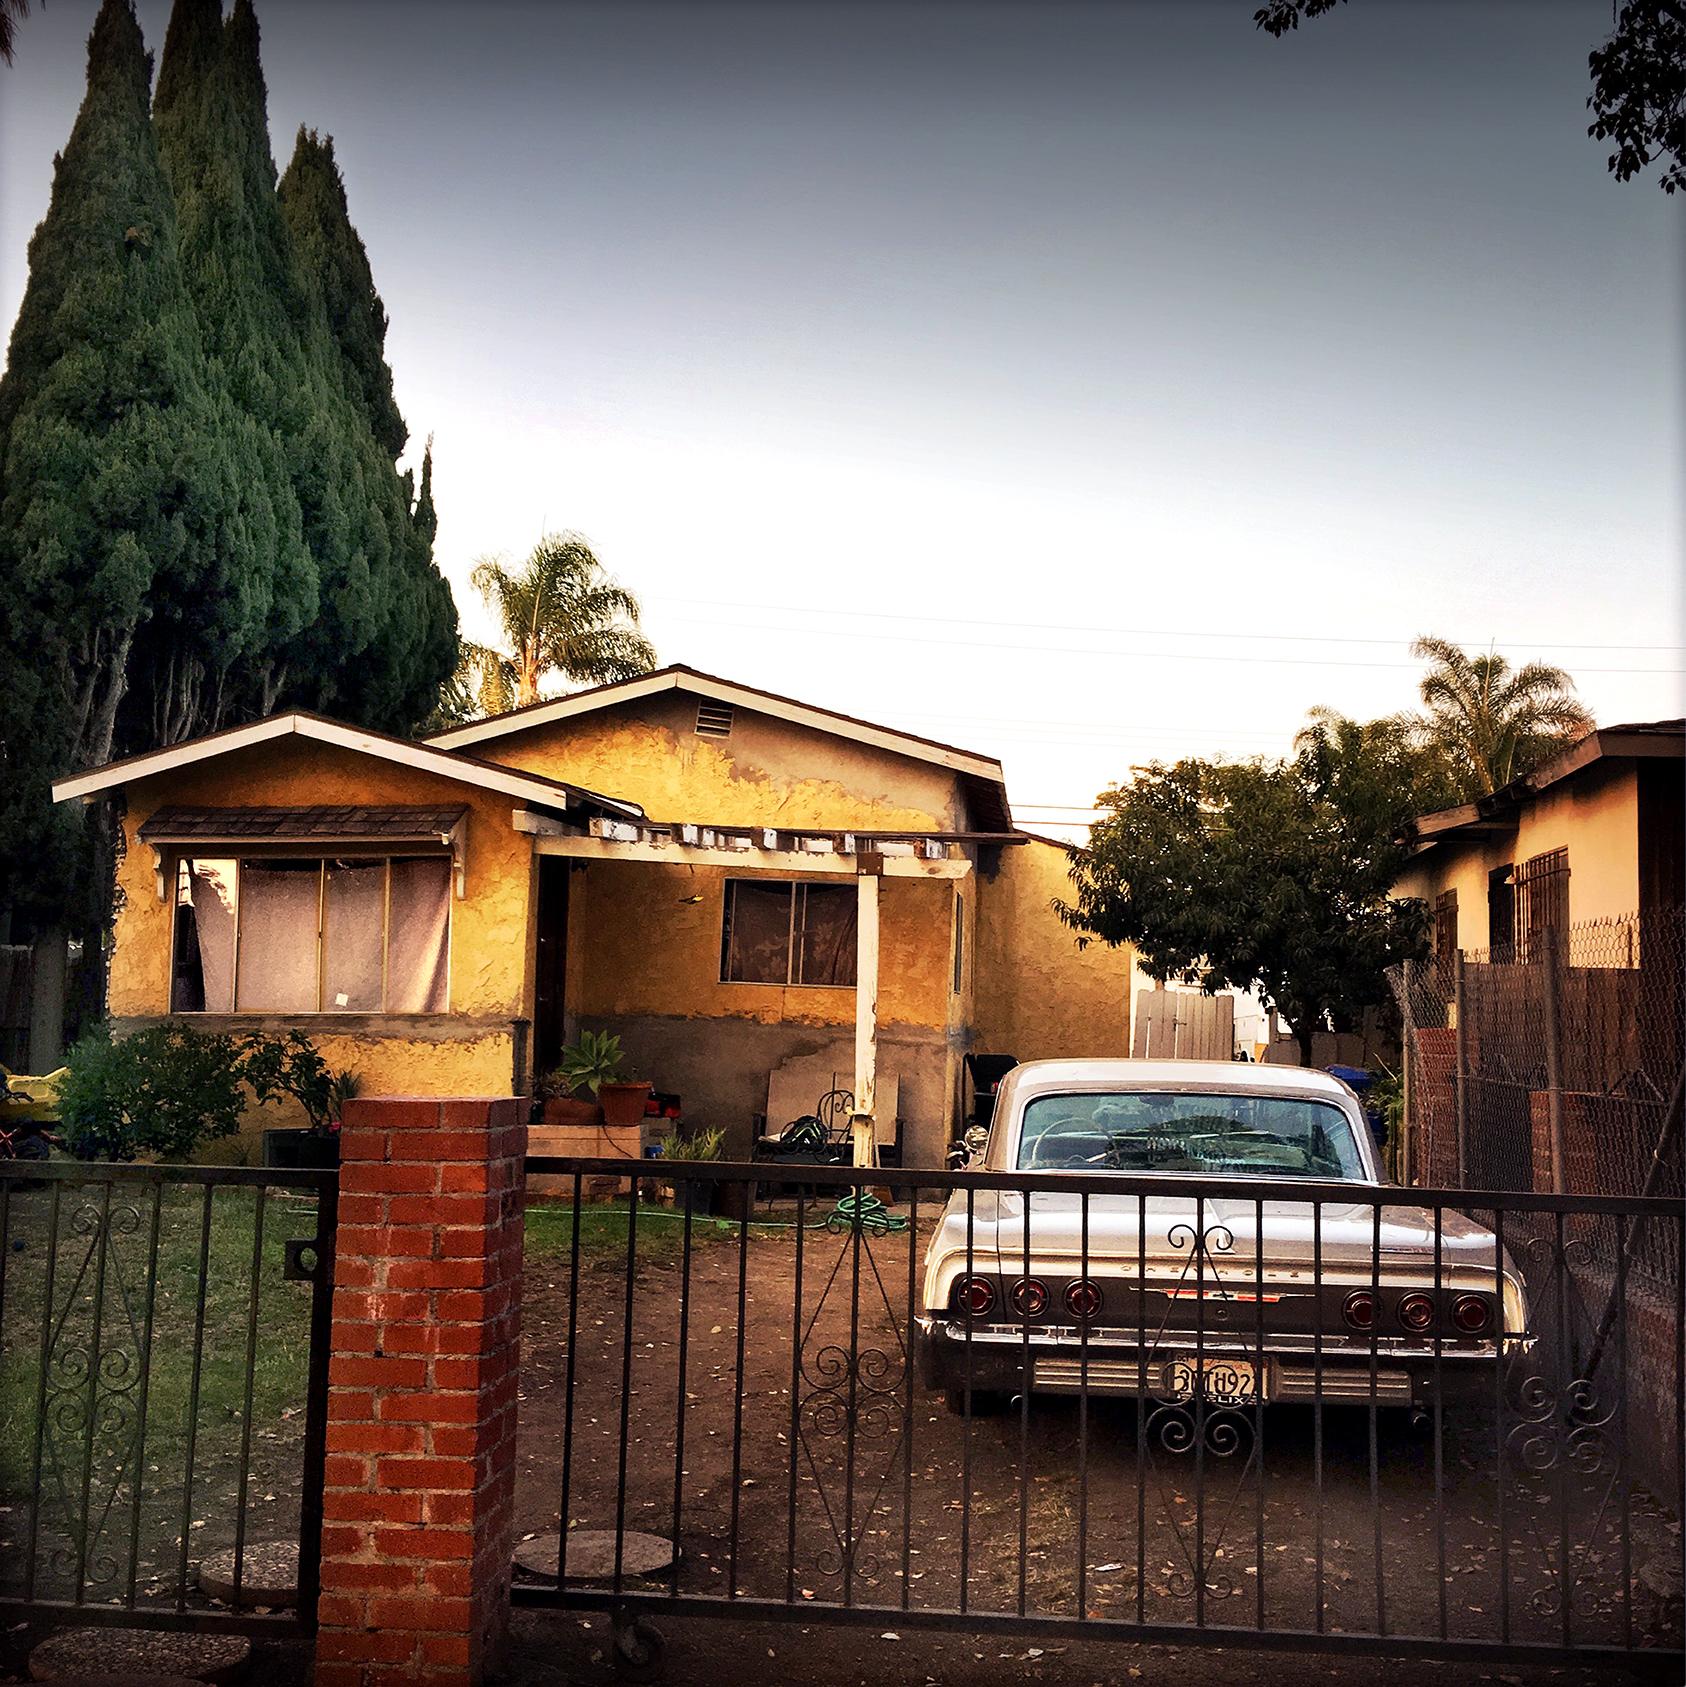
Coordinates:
column 1233, row 1411
column 163, row 1382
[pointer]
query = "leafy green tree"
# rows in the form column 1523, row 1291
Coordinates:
column 215, row 151
column 1383, row 767
column 335, row 262
column 119, row 497
column 359, row 622
column 1638, row 97
column 561, row 618
column 1270, row 876
column 415, row 647
column 1492, row 723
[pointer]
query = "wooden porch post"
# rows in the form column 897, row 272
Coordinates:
column 866, row 1008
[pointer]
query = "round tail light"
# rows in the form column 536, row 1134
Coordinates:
column 1416, row 1312
column 975, row 1295
column 1083, row 1300
column 1030, row 1297
column 1360, row 1310
column 1471, row 1314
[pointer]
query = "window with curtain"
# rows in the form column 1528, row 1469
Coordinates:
column 779, row 932
column 312, row 935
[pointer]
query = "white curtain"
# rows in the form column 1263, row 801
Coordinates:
column 279, row 904
column 208, row 892
column 356, row 908
column 417, row 948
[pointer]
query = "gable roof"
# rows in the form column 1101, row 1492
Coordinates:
column 427, row 758
column 986, row 783
column 1630, row 741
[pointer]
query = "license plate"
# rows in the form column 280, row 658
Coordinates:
column 1222, row 1380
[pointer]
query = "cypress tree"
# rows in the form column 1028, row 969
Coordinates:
column 297, row 339
column 119, row 501
column 215, row 151
column 398, row 677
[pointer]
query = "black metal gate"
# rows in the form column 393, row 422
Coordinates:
column 163, row 1391
column 1364, row 1420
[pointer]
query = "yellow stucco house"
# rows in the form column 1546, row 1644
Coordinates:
column 759, row 896
column 1597, row 834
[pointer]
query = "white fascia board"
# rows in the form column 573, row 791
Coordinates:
column 721, row 691
column 113, row 774
column 422, row 757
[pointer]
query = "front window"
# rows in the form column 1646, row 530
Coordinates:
column 1166, row 1131
column 311, row 935
column 776, row 931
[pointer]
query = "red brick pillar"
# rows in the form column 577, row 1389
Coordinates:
column 419, row 1490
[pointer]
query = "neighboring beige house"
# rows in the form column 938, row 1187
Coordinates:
column 1598, row 833
column 761, row 897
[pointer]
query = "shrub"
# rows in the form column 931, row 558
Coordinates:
column 169, row 1088
column 160, row 1091
column 290, row 1065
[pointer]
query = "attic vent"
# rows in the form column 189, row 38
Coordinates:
column 714, row 720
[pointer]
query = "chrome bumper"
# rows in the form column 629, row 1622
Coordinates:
column 1115, row 1365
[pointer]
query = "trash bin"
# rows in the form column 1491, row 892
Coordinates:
column 1358, row 1079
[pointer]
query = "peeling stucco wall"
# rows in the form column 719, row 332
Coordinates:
column 767, row 773
column 1038, row 995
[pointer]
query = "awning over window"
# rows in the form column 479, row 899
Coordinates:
column 324, row 825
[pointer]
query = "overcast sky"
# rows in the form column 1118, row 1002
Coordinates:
column 1080, row 384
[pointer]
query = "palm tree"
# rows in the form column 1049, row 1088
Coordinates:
column 1492, row 723
column 561, row 618
column 11, row 11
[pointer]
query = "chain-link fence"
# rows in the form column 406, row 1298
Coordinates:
column 1556, row 1066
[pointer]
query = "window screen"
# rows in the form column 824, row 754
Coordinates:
column 280, row 910
column 776, row 932
column 354, row 913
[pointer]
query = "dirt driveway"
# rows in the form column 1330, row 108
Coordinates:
column 897, row 1500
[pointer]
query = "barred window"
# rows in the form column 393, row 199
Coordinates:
column 1542, row 902
column 1445, row 931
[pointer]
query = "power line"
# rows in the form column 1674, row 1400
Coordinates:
column 1090, row 650
column 1139, row 632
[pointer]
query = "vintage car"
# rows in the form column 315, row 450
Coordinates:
column 1193, row 1284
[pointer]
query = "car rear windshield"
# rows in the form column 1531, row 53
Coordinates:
column 1160, row 1131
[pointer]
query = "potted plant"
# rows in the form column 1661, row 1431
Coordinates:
column 558, row 1106
column 594, row 1064
column 699, row 1145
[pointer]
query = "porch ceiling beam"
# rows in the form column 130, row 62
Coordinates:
column 768, row 860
